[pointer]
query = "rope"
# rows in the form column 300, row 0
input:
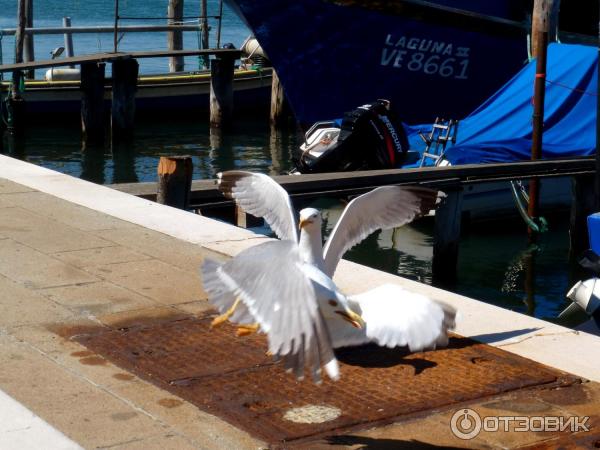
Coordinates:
column 539, row 224
column 581, row 91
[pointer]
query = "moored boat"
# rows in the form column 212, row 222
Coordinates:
column 430, row 58
column 173, row 93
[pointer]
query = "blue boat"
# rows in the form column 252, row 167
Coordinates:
column 430, row 58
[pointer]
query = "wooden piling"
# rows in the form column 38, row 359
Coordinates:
column 124, row 87
column 175, row 38
column 29, row 54
column 174, row 181
column 204, row 31
column 446, row 238
column 582, row 205
column 245, row 220
column 16, row 104
column 221, row 92
column 541, row 24
column 280, row 112
column 92, row 102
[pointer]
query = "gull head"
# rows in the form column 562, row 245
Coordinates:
column 310, row 219
column 339, row 306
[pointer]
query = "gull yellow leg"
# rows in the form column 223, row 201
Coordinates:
column 226, row 315
column 245, row 330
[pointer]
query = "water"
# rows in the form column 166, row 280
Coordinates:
column 495, row 264
column 49, row 13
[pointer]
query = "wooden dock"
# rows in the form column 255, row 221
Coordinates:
column 206, row 197
column 110, row 57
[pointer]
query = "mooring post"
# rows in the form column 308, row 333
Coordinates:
column 16, row 103
column 175, row 181
column 124, row 87
column 221, row 91
column 29, row 54
column 92, row 102
column 540, row 23
column 279, row 107
column 175, row 38
column 446, row 238
column 582, row 205
column 204, row 30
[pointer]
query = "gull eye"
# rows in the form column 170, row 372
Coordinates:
column 333, row 303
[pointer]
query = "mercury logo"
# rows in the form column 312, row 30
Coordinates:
column 392, row 130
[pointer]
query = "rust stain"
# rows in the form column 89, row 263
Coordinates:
column 82, row 353
column 234, row 379
column 170, row 402
column 93, row 361
column 123, row 376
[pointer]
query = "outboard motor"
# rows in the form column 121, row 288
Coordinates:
column 369, row 137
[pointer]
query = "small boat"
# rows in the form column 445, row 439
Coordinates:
column 181, row 93
column 429, row 58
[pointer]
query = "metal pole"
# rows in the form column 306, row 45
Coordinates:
column 66, row 21
column 29, row 54
column 220, row 23
column 115, row 40
column 541, row 18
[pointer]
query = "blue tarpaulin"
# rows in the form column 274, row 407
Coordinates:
column 500, row 129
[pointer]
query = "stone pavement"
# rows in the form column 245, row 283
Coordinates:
column 62, row 263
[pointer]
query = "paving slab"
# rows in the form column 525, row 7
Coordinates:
column 35, row 269
column 10, row 187
column 15, row 299
column 51, row 207
column 99, row 256
column 43, row 234
column 21, row 428
column 97, row 298
column 154, row 279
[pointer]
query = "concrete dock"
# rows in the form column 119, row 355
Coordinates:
column 89, row 275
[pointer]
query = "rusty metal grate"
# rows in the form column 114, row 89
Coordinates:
column 232, row 377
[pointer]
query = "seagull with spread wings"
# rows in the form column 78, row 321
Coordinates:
column 284, row 288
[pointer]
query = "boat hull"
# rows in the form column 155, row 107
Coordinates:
column 172, row 94
column 333, row 55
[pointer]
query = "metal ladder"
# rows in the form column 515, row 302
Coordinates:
column 442, row 131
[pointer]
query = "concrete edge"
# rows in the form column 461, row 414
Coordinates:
column 22, row 428
column 544, row 342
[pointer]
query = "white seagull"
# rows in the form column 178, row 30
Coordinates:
column 285, row 289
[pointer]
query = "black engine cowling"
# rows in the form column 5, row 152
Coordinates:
column 371, row 137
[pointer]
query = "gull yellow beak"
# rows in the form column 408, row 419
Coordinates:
column 354, row 319
column 303, row 223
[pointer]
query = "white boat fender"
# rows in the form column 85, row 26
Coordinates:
column 585, row 296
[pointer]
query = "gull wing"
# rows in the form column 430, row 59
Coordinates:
column 259, row 195
column 281, row 298
column 396, row 317
column 382, row 208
